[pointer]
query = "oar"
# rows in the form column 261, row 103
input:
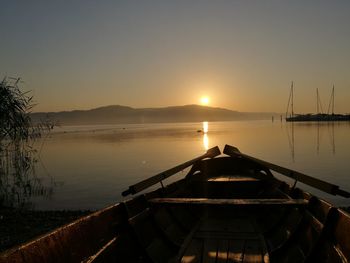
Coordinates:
column 306, row 179
column 133, row 189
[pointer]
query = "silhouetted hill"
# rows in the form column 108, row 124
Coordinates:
column 121, row 114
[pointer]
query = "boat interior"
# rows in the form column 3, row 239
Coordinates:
column 226, row 209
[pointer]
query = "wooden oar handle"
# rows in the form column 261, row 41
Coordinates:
column 126, row 192
column 133, row 189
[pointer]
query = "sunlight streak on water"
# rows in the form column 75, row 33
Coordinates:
column 205, row 135
column 205, row 126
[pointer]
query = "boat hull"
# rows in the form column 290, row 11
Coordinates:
column 226, row 209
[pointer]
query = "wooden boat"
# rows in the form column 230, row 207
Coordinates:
column 227, row 209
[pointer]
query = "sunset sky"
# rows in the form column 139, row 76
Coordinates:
column 241, row 55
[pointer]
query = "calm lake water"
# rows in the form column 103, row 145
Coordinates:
column 87, row 167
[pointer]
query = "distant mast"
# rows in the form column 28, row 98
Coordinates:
column 290, row 102
column 292, row 99
column 331, row 102
column 317, row 110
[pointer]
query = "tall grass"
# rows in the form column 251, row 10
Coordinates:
column 18, row 182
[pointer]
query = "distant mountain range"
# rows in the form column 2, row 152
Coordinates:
column 117, row 114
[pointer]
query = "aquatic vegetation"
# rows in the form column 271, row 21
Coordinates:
column 17, row 153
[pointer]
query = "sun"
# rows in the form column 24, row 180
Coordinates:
column 205, row 100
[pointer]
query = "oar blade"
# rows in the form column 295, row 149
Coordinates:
column 212, row 152
column 230, row 149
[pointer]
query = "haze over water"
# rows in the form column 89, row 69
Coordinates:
column 91, row 165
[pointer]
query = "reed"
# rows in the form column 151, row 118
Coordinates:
column 18, row 155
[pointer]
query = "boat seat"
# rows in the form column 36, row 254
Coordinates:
column 229, row 202
column 226, row 186
column 232, row 178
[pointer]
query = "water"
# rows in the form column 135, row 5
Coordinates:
column 87, row 167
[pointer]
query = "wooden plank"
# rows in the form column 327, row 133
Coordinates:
column 144, row 228
column 169, row 226
column 133, row 189
column 232, row 178
column 252, row 252
column 306, row 179
column 158, row 251
column 283, row 230
column 225, row 235
column 185, row 244
column 319, row 208
column 183, row 217
column 326, row 251
column 193, row 253
column 227, row 225
column 73, row 242
column 222, row 253
column 105, row 253
column 235, row 251
column 341, row 226
column 293, row 254
column 225, row 202
column 135, row 205
column 210, row 250
column 264, row 251
column 150, row 237
column 269, row 223
column 309, row 234
column 122, row 248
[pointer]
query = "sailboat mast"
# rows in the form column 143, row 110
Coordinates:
column 317, row 112
column 292, row 100
column 333, row 100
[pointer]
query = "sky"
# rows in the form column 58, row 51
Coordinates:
column 242, row 55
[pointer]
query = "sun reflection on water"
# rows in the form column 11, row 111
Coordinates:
column 205, row 135
column 205, row 126
column 206, row 141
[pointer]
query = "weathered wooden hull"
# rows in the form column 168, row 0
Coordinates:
column 227, row 209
